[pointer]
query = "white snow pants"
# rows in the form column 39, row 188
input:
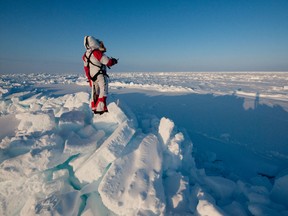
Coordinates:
column 99, row 94
column 100, row 86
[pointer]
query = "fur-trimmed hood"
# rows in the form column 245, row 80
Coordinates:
column 91, row 43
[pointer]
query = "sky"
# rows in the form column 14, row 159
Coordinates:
column 46, row 36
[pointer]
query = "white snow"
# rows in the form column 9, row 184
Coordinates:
column 57, row 158
column 30, row 123
column 133, row 183
column 104, row 155
column 279, row 191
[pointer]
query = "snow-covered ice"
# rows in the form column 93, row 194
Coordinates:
column 171, row 144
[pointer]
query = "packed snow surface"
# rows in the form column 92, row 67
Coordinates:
column 171, row 144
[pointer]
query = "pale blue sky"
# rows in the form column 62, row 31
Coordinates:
column 160, row 35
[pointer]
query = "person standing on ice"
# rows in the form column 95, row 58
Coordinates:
column 95, row 63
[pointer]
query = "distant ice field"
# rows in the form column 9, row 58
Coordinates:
column 265, row 85
column 270, row 87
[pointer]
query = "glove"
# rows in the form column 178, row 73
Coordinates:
column 111, row 62
column 114, row 61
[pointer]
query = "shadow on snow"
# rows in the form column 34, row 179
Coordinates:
column 251, row 141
